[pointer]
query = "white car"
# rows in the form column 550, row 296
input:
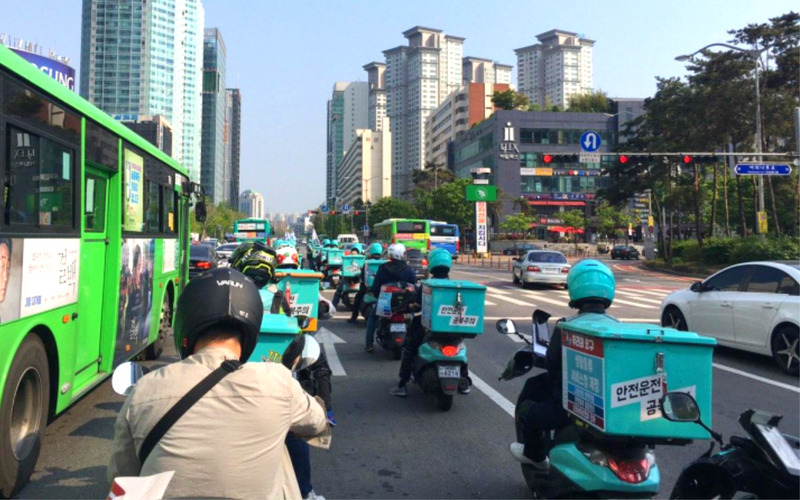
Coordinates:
column 224, row 253
column 754, row 306
column 545, row 267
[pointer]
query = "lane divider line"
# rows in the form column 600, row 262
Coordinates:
column 495, row 396
column 774, row 383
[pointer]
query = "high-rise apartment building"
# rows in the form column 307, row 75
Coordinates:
column 145, row 58
column 376, row 80
column 480, row 70
column 418, row 78
column 462, row 109
column 212, row 158
column 251, row 203
column 156, row 129
column 347, row 112
column 233, row 134
column 365, row 172
column 555, row 69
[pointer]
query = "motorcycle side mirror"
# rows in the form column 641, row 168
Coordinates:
column 303, row 321
column 680, row 407
column 506, row 326
column 301, row 353
column 125, row 377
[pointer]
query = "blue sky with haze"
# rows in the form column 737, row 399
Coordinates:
column 286, row 55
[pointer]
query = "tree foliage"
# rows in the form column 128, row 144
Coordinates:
column 592, row 102
column 609, row 218
column 510, row 99
column 219, row 221
column 517, row 223
column 391, row 208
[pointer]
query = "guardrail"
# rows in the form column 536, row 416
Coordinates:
column 499, row 261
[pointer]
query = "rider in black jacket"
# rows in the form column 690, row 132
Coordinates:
column 396, row 270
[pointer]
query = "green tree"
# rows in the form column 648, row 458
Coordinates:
column 449, row 203
column 388, row 208
column 219, row 221
column 592, row 102
column 576, row 219
column 517, row 223
column 609, row 218
column 510, row 99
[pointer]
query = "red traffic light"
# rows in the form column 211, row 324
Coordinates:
column 333, row 212
column 357, row 212
column 623, row 159
column 687, row 159
column 547, row 158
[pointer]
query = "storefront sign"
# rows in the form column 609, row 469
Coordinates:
column 481, row 232
column 508, row 146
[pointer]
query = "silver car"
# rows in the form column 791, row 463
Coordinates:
column 544, row 267
column 224, row 253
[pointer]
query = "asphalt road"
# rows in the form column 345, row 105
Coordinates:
column 386, row 447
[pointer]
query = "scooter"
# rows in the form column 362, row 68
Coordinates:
column 766, row 464
column 393, row 316
column 352, row 285
column 439, row 367
column 583, row 464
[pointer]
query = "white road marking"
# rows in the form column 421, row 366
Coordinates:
column 495, row 396
column 535, row 296
column 507, row 299
column 498, row 290
column 756, row 377
column 329, row 340
column 639, row 297
column 515, row 318
column 634, row 304
column 656, row 292
column 489, row 303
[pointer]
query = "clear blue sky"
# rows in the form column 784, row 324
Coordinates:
column 286, row 55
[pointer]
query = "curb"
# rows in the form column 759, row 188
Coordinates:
column 676, row 273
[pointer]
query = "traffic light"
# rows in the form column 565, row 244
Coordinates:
column 333, row 212
column 547, row 159
column 687, row 160
column 700, row 160
column 357, row 212
column 571, row 158
column 632, row 159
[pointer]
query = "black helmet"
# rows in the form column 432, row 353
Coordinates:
column 221, row 296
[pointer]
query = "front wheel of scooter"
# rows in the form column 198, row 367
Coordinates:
column 444, row 401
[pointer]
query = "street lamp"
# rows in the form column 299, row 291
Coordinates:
column 755, row 55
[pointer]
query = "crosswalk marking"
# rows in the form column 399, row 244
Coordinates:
column 507, row 299
column 625, row 302
column 489, row 303
column 657, row 292
column 639, row 297
column 500, row 291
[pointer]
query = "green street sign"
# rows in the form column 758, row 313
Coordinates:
column 481, row 193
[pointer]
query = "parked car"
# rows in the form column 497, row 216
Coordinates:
column 520, row 249
column 541, row 266
column 224, row 253
column 754, row 306
column 418, row 262
column 201, row 259
column 626, row 252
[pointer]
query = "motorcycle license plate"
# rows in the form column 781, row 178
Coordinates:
column 449, row 371
column 397, row 327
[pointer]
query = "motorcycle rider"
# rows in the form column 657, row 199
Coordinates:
column 356, row 249
column 237, row 430
column 373, row 253
column 439, row 264
column 259, row 265
column 393, row 271
column 591, row 287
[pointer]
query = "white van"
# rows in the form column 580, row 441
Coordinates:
column 347, row 239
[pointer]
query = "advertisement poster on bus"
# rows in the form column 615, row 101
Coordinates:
column 135, row 297
column 36, row 275
column 134, row 206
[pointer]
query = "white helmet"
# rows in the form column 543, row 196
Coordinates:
column 396, row 251
column 288, row 258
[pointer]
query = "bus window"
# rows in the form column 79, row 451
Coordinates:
column 102, row 147
column 95, row 203
column 24, row 104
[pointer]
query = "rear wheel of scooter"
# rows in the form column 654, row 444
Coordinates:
column 346, row 301
column 445, row 401
column 397, row 353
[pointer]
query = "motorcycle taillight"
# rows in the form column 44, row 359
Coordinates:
column 631, row 471
column 398, row 318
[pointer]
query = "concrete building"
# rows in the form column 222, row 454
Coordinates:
column 513, row 145
column 233, row 139
column 156, row 129
column 145, row 58
column 480, row 70
column 212, row 158
column 365, row 172
column 418, row 78
column 461, row 110
column 555, row 69
column 251, row 203
column 347, row 112
column 376, row 80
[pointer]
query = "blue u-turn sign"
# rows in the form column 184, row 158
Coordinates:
column 590, row 141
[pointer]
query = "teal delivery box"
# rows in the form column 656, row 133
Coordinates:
column 277, row 331
column 301, row 287
column 372, row 268
column 451, row 306
column 351, row 265
column 335, row 256
column 615, row 375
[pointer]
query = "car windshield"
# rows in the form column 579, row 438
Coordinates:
column 547, row 257
column 203, row 251
column 413, row 254
column 227, row 248
column 620, row 247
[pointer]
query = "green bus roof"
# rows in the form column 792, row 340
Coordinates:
column 26, row 71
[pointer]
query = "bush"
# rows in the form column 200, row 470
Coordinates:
column 686, row 250
column 718, row 250
column 750, row 249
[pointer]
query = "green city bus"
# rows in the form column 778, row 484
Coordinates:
column 93, row 254
column 413, row 233
column 252, row 230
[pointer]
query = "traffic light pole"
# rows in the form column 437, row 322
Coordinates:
column 761, row 204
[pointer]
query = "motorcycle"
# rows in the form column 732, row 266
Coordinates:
column 583, row 464
column 351, row 272
column 393, row 310
column 439, row 365
column 766, row 464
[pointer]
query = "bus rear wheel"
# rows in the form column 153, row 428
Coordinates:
column 23, row 415
column 155, row 349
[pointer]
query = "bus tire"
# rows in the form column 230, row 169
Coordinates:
column 155, row 349
column 23, row 415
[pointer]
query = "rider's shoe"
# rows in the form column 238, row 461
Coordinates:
column 516, row 450
column 313, row 496
column 399, row 391
column 369, row 348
